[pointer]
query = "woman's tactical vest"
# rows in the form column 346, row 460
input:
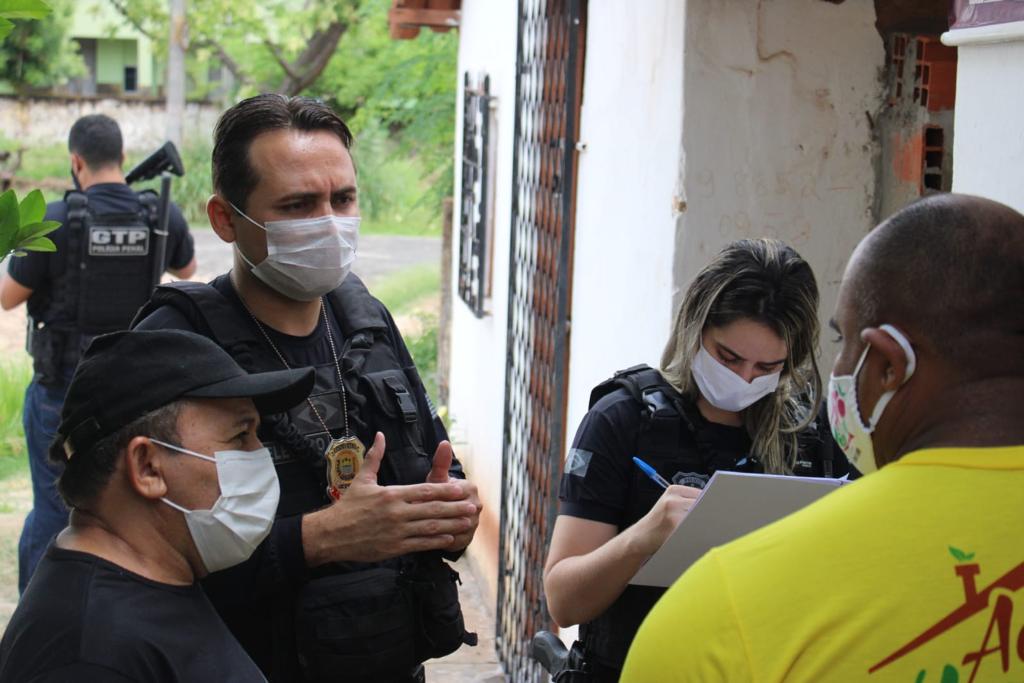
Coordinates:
column 674, row 439
column 352, row 621
column 108, row 275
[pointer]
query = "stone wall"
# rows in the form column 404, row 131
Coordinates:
column 43, row 121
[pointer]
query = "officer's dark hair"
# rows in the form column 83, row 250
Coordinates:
column 86, row 474
column 768, row 282
column 948, row 268
column 97, row 139
column 233, row 175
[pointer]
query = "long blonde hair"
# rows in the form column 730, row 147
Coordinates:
column 768, row 282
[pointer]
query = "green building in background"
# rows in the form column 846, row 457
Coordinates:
column 118, row 57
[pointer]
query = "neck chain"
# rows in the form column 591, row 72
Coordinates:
column 345, row 455
column 334, row 354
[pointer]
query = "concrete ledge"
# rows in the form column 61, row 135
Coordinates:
column 985, row 35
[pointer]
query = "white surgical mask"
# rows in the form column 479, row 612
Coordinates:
column 726, row 390
column 852, row 435
column 307, row 257
column 241, row 517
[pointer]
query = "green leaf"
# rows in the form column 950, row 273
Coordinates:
column 32, row 208
column 38, row 244
column 960, row 555
column 24, row 9
column 9, row 216
column 33, row 230
column 5, row 28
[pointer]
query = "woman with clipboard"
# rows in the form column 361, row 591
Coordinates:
column 739, row 389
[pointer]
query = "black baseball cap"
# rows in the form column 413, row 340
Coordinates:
column 124, row 375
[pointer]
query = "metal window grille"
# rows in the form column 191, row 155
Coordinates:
column 473, row 224
column 548, row 85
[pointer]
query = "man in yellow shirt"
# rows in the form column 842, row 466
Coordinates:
column 916, row 572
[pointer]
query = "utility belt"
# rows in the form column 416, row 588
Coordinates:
column 379, row 623
column 55, row 351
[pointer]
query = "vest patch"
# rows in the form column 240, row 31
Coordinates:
column 118, row 241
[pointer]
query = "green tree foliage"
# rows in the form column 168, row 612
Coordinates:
column 402, row 90
column 268, row 45
column 397, row 95
column 37, row 53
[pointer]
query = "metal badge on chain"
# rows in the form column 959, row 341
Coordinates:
column 344, row 455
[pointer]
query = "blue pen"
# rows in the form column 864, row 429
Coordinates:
column 649, row 471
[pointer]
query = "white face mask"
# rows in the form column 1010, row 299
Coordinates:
column 726, row 390
column 307, row 257
column 852, row 435
column 241, row 517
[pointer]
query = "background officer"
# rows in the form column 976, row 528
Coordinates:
column 95, row 281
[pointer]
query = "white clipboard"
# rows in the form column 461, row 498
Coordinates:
column 731, row 505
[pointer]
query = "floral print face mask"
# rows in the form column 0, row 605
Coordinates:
column 849, row 431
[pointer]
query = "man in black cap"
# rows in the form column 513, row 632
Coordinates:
column 166, row 481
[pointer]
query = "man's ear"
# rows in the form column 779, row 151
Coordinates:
column 77, row 163
column 220, row 212
column 895, row 363
column 144, row 467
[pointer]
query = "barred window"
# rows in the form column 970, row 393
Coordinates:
column 475, row 211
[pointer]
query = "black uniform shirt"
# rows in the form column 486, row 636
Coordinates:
column 83, row 618
column 600, row 462
column 37, row 270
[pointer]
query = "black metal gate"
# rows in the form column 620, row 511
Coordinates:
column 549, row 79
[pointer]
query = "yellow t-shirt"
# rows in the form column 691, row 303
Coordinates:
column 914, row 574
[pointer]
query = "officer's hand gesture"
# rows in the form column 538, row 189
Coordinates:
column 440, row 465
column 654, row 528
column 372, row 522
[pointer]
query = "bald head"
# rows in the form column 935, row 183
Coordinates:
column 948, row 269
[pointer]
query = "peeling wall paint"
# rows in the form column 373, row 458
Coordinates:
column 777, row 133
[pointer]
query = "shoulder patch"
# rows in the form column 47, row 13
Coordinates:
column 577, row 462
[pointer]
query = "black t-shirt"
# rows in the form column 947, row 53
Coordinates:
column 38, row 270
column 83, row 618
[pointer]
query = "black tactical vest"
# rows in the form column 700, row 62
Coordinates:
column 108, row 275
column 406, row 609
column 673, row 439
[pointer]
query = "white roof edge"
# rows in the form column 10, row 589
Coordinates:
column 985, row 35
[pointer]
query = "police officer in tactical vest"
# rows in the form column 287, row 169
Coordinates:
column 351, row 584
column 100, row 275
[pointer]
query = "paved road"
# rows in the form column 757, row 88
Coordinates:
column 378, row 256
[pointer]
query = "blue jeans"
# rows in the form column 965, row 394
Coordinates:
column 40, row 417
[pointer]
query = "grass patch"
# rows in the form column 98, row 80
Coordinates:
column 403, row 289
column 396, row 193
column 423, row 348
column 14, row 377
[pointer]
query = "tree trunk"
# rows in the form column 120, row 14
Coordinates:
column 304, row 71
column 174, row 88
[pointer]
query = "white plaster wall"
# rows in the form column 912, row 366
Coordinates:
column 777, row 138
column 631, row 123
column 45, row 120
column 487, row 43
column 988, row 147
